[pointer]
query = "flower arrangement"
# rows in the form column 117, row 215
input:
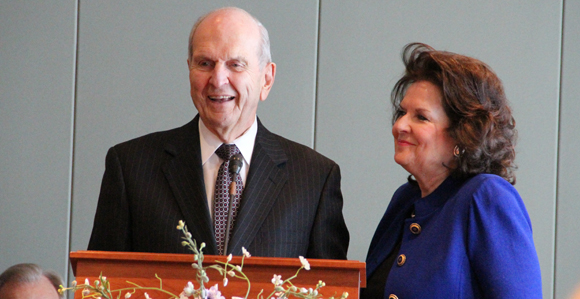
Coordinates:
column 282, row 288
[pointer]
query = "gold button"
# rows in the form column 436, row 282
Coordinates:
column 415, row 228
column 401, row 260
column 393, row 296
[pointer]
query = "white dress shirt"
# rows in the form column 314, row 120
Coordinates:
column 211, row 163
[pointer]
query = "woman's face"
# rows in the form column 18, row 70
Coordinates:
column 422, row 145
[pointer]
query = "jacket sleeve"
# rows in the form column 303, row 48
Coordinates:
column 329, row 237
column 111, row 231
column 500, row 244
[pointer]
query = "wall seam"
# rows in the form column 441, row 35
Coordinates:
column 69, row 274
column 316, row 74
column 558, row 142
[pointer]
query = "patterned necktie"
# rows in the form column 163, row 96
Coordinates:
column 222, row 195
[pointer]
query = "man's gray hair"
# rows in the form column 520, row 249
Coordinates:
column 27, row 273
column 265, row 55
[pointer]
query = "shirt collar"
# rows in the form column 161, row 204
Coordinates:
column 209, row 142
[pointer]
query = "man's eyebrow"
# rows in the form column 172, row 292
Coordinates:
column 200, row 57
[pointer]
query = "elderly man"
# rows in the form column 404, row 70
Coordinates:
column 29, row 281
column 288, row 200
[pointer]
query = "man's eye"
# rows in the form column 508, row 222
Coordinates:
column 236, row 65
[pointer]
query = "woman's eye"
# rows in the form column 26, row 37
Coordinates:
column 421, row 117
column 399, row 113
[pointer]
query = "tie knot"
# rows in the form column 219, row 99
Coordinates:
column 226, row 151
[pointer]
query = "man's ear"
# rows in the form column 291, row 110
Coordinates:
column 268, row 80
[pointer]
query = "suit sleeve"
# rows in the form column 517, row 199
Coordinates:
column 329, row 238
column 111, row 225
column 500, row 243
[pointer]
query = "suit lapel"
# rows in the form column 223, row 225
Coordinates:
column 265, row 180
column 185, row 176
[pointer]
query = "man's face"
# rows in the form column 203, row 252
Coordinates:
column 226, row 78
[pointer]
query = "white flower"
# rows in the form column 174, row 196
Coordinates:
column 225, row 281
column 74, row 283
column 86, row 292
column 277, row 280
column 302, row 290
column 183, row 296
column 147, row 296
column 238, row 268
column 188, row 234
column 304, row 263
column 231, row 273
column 245, row 252
column 188, row 290
column 229, row 257
column 128, row 295
column 87, row 281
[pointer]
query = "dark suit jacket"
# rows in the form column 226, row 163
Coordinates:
column 291, row 204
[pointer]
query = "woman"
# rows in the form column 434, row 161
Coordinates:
column 458, row 228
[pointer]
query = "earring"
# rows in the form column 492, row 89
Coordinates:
column 458, row 152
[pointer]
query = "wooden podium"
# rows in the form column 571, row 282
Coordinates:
column 175, row 270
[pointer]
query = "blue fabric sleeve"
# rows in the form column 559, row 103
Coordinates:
column 500, row 244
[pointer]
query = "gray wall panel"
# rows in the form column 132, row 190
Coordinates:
column 568, row 240
column 355, row 79
column 36, row 79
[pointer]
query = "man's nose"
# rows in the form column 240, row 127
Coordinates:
column 219, row 76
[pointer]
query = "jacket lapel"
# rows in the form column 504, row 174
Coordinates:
column 265, row 180
column 387, row 234
column 185, row 176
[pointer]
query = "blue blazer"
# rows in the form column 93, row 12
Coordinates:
column 291, row 204
column 467, row 239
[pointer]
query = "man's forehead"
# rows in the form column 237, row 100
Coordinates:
column 42, row 289
column 225, row 45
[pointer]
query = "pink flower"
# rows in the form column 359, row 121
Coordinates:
column 214, row 293
column 277, row 280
